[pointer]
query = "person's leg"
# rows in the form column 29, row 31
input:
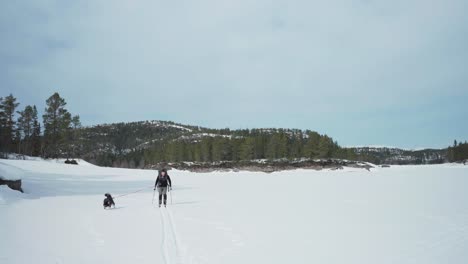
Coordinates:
column 161, row 193
column 164, row 192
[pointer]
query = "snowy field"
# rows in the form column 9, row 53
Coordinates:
column 403, row 214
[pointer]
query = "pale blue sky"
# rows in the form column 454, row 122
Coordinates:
column 364, row 72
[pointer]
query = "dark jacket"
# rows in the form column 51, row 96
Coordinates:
column 163, row 181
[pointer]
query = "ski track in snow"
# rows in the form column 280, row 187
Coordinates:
column 170, row 247
column 403, row 214
column 164, row 250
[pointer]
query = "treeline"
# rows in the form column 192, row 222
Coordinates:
column 395, row 156
column 458, row 152
column 21, row 131
column 140, row 144
column 239, row 145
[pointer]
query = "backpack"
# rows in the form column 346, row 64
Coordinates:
column 162, row 181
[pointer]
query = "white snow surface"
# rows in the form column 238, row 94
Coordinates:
column 402, row 214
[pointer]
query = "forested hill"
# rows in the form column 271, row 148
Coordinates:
column 146, row 143
column 150, row 144
column 138, row 144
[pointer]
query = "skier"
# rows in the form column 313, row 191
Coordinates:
column 108, row 201
column 163, row 181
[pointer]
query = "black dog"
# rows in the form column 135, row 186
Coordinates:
column 108, row 201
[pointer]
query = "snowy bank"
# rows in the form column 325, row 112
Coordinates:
column 7, row 195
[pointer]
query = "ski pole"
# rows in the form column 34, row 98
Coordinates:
column 154, row 191
column 170, row 193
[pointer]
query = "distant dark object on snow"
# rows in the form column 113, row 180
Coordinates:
column 385, row 166
column 74, row 162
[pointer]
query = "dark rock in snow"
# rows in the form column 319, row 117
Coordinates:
column 74, row 162
column 13, row 184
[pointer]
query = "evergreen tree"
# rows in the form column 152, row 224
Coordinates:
column 277, row 146
column 259, row 142
column 57, row 122
column 296, row 145
column 2, row 128
column 311, row 147
column 221, row 149
column 36, row 134
column 8, row 106
column 75, row 138
column 282, row 148
column 180, row 151
column 17, row 142
column 325, row 147
column 26, row 128
column 141, row 164
column 197, row 156
column 205, row 149
column 247, row 149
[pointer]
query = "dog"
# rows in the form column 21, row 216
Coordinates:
column 108, row 201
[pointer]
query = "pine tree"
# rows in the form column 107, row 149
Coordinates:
column 277, row 146
column 216, row 150
column 310, row 149
column 36, row 134
column 296, row 145
column 17, row 142
column 2, row 130
column 26, row 129
column 56, row 125
column 205, row 149
column 247, row 149
column 197, row 156
column 271, row 148
column 75, row 141
column 324, row 147
column 142, row 163
column 7, row 122
column 221, row 149
column 282, row 151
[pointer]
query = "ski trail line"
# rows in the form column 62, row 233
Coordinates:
column 180, row 258
column 164, row 252
column 169, row 242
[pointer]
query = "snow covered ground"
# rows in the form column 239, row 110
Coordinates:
column 403, row 214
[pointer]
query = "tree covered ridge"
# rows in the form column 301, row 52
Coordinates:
column 211, row 145
column 145, row 143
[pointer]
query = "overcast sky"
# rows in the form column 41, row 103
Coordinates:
column 364, row 72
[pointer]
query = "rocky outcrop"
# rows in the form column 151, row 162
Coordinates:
column 267, row 166
column 13, row 184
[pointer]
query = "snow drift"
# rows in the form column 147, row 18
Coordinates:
column 411, row 214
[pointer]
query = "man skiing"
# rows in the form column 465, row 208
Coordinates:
column 163, row 181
